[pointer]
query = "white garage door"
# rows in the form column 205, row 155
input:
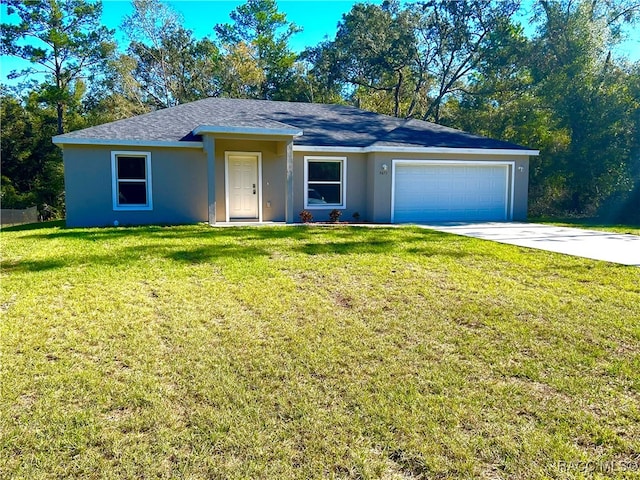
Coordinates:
column 447, row 192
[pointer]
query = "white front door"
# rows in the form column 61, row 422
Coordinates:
column 242, row 181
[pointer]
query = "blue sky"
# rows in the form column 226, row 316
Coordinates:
column 318, row 18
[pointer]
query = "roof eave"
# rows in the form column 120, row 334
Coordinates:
column 398, row 149
column 62, row 140
column 276, row 133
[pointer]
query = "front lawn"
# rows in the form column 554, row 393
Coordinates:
column 312, row 352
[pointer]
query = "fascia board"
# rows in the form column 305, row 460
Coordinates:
column 61, row 140
column 326, row 149
column 380, row 149
column 474, row 151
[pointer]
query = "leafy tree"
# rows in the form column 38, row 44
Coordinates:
column 323, row 80
column 119, row 94
column 591, row 97
column 243, row 77
column 373, row 50
column 407, row 61
column 306, row 87
column 31, row 165
column 15, row 141
column 260, row 34
column 64, row 39
column 169, row 65
column 454, row 38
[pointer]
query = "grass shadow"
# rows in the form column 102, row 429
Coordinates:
column 128, row 255
column 345, row 248
column 33, row 265
column 198, row 231
column 34, row 226
column 97, row 233
column 199, row 244
column 209, row 254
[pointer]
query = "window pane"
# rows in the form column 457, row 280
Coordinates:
column 132, row 193
column 319, row 194
column 132, row 168
column 324, row 171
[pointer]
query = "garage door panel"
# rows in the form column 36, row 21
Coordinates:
column 453, row 192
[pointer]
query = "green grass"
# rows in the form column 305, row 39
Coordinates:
column 312, row 352
column 589, row 223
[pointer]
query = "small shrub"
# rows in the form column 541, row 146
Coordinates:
column 305, row 216
column 356, row 216
column 334, row 215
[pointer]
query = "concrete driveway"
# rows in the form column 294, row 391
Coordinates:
column 609, row 247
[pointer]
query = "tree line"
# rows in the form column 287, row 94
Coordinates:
column 546, row 77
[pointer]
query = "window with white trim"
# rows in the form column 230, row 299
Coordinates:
column 131, row 180
column 325, row 182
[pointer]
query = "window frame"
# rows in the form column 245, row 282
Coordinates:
column 343, row 182
column 115, row 181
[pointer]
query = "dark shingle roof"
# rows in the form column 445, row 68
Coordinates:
column 322, row 125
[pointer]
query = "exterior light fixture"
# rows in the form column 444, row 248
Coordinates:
column 384, row 169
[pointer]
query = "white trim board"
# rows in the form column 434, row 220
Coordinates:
column 125, row 143
column 60, row 140
column 437, row 150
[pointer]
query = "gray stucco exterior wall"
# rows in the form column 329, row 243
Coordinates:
column 356, row 186
column 274, row 178
column 179, row 186
column 521, row 189
column 179, row 183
